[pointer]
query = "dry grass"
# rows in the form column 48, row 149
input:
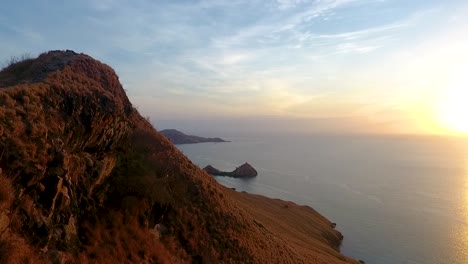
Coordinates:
column 14, row 250
column 304, row 229
column 63, row 116
column 6, row 192
column 115, row 238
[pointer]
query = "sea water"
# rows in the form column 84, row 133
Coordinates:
column 396, row 199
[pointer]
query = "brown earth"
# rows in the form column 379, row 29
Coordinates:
column 86, row 179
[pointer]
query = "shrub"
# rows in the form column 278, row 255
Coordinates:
column 15, row 59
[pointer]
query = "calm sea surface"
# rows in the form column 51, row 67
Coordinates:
column 395, row 199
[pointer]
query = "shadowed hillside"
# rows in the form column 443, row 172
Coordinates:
column 85, row 179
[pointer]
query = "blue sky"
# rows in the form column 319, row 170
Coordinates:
column 375, row 64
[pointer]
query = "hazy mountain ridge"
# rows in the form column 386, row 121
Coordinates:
column 86, row 179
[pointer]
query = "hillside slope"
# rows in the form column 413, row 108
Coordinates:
column 85, row 179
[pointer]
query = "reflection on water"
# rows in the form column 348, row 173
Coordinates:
column 396, row 199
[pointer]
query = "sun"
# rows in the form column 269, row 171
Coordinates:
column 453, row 109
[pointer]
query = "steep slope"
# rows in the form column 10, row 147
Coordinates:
column 177, row 137
column 86, row 179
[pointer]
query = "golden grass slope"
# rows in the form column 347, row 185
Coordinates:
column 86, row 179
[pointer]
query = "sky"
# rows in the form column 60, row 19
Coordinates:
column 383, row 66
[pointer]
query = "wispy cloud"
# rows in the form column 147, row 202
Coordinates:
column 278, row 25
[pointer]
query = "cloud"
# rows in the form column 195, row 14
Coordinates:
column 285, row 4
column 238, row 56
column 265, row 60
column 102, row 5
column 277, row 25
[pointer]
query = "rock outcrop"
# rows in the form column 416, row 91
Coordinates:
column 211, row 170
column 85, row 179
column 244, row 171
column 177, row 137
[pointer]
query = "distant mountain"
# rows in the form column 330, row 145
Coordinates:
column 177, row 137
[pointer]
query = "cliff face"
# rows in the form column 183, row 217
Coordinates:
column 84, row 178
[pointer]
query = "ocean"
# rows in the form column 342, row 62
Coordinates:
column 396, row 199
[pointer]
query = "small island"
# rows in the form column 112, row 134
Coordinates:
column 177, row 137
column 244, row 171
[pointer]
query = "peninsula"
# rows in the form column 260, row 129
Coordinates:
column 177, row 137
